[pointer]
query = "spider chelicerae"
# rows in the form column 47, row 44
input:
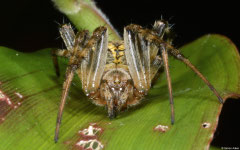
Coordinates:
column 118, row 74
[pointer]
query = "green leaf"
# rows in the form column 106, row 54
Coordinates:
column 30, row 94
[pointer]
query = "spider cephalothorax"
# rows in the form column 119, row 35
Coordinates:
column 118, row 74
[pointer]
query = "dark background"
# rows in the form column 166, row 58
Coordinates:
column 29, row 25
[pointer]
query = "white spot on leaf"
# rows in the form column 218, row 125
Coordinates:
column 161, row 128
column 18, row 95
column 206, row 125
column 5, row 98
column 89, row 139
column 90, row 131
column 90, row 144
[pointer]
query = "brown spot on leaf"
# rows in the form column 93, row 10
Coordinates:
column 5, row 98
column 6, row 105
column 89, row 138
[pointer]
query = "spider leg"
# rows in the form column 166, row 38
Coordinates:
column 100, row 39
column 176, row 53
column 73, row 46
column 68, row 37
column 154, row 37
column 93, row 59
column 66, row 86
column 73, row 66
column 166, row 66
column 55, row 53
column 138, row 59
column 161, row 27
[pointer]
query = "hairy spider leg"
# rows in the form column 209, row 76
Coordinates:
column 176, row 53
column 147, row 37
column 163, row 30
column 166, row 66
column 69, row 76
column 66, row 86
column 163, row 26
column 93, row 57
column 152, row 37
column 58, row 52
column 68, row 37
column 78, row 49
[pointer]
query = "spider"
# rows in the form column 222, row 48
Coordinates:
column 118, row 74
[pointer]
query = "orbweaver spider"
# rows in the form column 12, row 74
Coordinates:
column 118, row 74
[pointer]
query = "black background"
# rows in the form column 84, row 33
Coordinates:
column 29, row 25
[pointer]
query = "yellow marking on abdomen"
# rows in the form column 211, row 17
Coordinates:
column 117, row 51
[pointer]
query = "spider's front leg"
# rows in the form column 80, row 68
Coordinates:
column 93, row 59
column 69, row 38
column 140, row 37
column 59, row 52
column 72, row 67
column 162, row 27
column 142, row 41
column 83, row 47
